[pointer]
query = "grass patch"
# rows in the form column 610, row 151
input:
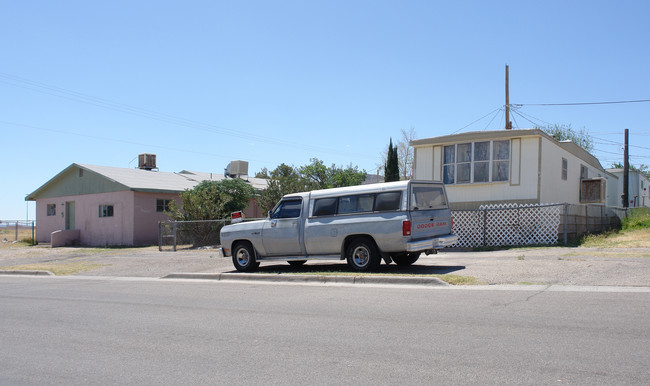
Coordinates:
column 629, row 238
column 59, row 269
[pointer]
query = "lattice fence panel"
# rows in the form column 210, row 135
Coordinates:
column 468, row 225
column 507, row 224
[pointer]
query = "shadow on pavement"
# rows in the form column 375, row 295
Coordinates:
column 343, row 268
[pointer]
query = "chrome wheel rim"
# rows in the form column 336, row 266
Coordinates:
column 361, row 256
column 243, row 258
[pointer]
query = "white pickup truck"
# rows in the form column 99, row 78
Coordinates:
column 394, row 221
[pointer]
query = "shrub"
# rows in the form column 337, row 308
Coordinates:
column 638, row 218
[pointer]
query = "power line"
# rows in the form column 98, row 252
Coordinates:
column 150, row 114
column 583, row 103
column 123, row 141
column 466, row 126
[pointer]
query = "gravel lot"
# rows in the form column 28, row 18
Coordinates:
column 569, row 266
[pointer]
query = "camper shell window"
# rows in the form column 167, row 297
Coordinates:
column 360, row 203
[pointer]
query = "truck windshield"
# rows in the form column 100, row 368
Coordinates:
column 425, row 197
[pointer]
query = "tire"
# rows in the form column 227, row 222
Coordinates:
column 243, row 258
column 362, row 255
column 405, row 259
column 296, row 263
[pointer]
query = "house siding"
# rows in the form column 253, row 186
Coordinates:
column 535, row 171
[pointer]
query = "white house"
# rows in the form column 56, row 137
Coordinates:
column 638, row 188
column 505, row 166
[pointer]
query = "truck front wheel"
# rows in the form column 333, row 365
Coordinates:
column 243, row 257
column 362, row 255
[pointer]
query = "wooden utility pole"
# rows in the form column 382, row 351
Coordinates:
column 626, row 173
column 508, row 123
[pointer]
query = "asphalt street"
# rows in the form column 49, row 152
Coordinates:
column 106, row 330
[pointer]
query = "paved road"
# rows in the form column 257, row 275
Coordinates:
column 84, row 330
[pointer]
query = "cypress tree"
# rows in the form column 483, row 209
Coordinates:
column 392, row 167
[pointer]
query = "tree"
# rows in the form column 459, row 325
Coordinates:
column 405, row 153
column 641, row 168
column 288, row 179
column 209, row 200
column 391, row 169
column 565, row 132
column 212, row 200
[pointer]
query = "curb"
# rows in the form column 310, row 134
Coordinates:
column 26, row 272
column 427, row 281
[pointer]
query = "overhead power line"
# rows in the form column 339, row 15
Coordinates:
column 158, row 116
column 582, row 103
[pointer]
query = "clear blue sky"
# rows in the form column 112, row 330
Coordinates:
column 200, row 83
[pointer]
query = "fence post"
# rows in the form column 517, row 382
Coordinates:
column 33, row 232
column 586, row 219
column 160, row 236
column 566, row 221
column 174, row 230
column 16, row 238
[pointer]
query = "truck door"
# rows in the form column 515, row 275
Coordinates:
column 281, row 233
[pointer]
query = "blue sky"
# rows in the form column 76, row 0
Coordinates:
column 200, row 83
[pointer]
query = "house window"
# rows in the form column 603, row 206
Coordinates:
column 162, row 205
column 106, row 211
column 565, row 168
column 482, row 161
column 449, row 159
column 501, row 160
column 51, row 209
column 476, row 162
column 584, row 172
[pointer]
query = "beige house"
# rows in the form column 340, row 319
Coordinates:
column 513, row 166
column 102, row 205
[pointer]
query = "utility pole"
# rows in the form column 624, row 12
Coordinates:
column 626, row 172
column 508, row 123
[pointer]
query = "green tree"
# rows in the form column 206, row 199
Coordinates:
column 641, row 168
column 212, row 200
column 288, row 179
column 391, row 169
column 565, row 132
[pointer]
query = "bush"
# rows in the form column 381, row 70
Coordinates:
column 638, row 218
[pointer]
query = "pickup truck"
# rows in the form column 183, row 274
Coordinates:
column 394, row 221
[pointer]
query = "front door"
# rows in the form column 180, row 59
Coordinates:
column 281, row 232
column 69, row 215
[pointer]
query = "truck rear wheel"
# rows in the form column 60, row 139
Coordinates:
column 243, row 257
column 405, row 258
column 362, row 255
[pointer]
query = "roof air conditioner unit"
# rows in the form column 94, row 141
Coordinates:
column 147, row 161
column 237, row 169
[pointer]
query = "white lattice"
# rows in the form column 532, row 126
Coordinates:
column 507, row 224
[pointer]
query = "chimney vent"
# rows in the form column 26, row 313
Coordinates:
column 147, row 161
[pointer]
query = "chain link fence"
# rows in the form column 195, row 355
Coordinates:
column 17, row 230
column 174, row 235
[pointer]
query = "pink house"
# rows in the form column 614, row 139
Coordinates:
column 101, row 205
